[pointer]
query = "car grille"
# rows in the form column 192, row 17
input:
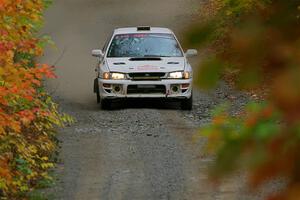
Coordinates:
column 146, row 89
column 147, row 76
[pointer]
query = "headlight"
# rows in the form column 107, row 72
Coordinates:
column 117, row 76
column 176, row 75
column 179, row 75
column 114, row 76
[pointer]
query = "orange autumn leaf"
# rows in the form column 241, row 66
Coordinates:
column 22, row 127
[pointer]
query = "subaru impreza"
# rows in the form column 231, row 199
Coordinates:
column 143, row 62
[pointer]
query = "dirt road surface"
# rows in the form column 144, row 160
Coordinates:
column 144, row 151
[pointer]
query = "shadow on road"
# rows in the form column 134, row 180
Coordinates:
column 146, row 103
column 91, row 105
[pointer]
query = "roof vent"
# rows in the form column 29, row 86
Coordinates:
column 144, row 28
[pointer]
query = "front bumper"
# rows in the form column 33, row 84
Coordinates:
column 109, row 89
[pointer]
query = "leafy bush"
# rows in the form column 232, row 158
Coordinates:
column 260, row 40
column 28, row 116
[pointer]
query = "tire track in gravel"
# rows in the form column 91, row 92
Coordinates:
column 140, row 158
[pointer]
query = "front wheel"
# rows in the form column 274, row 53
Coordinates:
column 98, row 97
column 187, row 104
column 96, row 90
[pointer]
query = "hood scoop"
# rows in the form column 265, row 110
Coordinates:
column 145, row 59
column 173, row 63
column 119, row 63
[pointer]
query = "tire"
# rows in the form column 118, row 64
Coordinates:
column 98, row 97
column 105, row 104
column 187, row 104
column 96, row 90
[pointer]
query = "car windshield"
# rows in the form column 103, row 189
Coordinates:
column 144, row 45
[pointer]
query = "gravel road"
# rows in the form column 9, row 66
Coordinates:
column 144, row 150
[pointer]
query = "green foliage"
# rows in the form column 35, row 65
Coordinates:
column 210, row 73
column 241, row 138
column 47, row 3
column 259, row 40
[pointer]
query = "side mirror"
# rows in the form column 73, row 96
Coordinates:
column 191, row 53
column 97, row 53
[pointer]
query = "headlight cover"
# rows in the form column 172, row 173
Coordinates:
column 113, row 76
column 179, row 75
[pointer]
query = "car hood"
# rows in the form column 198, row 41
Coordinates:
column 125, row 65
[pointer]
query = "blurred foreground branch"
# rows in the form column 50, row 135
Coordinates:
column 258, row 40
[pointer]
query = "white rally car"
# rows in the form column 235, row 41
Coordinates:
column 143, row 62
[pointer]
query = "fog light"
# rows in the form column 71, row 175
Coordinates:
column 117, row 88
column 175, row 88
